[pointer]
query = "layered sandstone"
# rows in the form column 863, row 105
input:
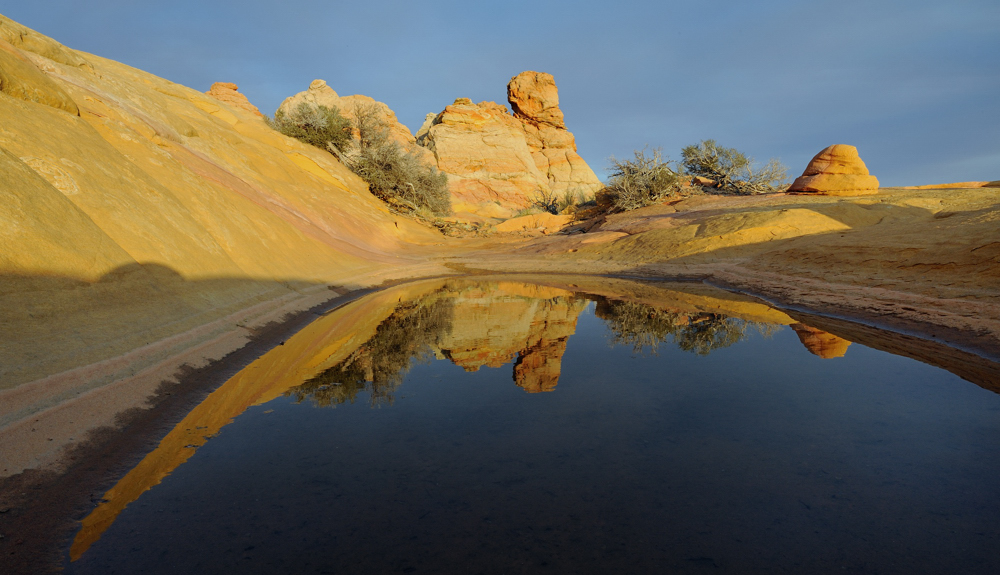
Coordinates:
column 836, row 171
column 535, row 100
column 544, row 223
column 482, row 149
column 496, row 159
column 229, row 93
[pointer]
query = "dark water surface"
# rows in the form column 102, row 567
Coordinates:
column 497, row 428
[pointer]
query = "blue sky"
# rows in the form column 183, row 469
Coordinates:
column 915, row 85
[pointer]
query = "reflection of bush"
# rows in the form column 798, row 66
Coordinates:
column 642, row 326
column 379, row 365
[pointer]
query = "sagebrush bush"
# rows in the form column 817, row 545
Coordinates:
column 319, row 126
column 731, row 170
column 394, row 175
column 641, row 181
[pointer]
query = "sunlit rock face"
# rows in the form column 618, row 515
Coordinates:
column 229, row 93
column 819, row 342
column 535, row 100
column 21, row 78
column 836, row 171
column 494, row 157
column 482, row 149
column 493, row 323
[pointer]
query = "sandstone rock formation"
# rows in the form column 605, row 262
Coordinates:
column 836, row 171
column 819, row 342
column 482, row 149
column 493, row 324
column 535, row 101
column 35, row 44
column 321, row 94
column 497, row 159
column 227, row 92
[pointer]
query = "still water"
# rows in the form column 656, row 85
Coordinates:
column 501, row 427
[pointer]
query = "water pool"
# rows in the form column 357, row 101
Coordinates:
column 492, row 426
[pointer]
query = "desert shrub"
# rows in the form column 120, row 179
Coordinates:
column 731, row 170
column 315, row 125
column 394, row 175
column 638, row 182
column 573, row 199
column 544, row 201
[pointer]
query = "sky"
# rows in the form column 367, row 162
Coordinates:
column 914, row 84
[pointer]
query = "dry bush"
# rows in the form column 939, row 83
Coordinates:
column 395, row 176
column 545, row 201
column 318, row 126
column 644, row 180
column 731, row 170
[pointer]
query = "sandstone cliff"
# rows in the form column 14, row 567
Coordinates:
column 141, row 218
column 535, row 101
column 482, row 149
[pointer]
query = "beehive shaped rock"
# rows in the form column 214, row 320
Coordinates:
column 836, row 171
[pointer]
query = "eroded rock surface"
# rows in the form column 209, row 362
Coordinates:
column 535, row 100
column 495, row 158
column 228, row 92
column 482, row 149
column 836, row 171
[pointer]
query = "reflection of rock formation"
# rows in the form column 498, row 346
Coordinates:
column 496, row 321
column 819, row 342
column 538, row 367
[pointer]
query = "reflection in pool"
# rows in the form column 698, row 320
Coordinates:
column 684, row 429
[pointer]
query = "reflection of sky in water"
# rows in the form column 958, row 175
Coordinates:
column 759, row 456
